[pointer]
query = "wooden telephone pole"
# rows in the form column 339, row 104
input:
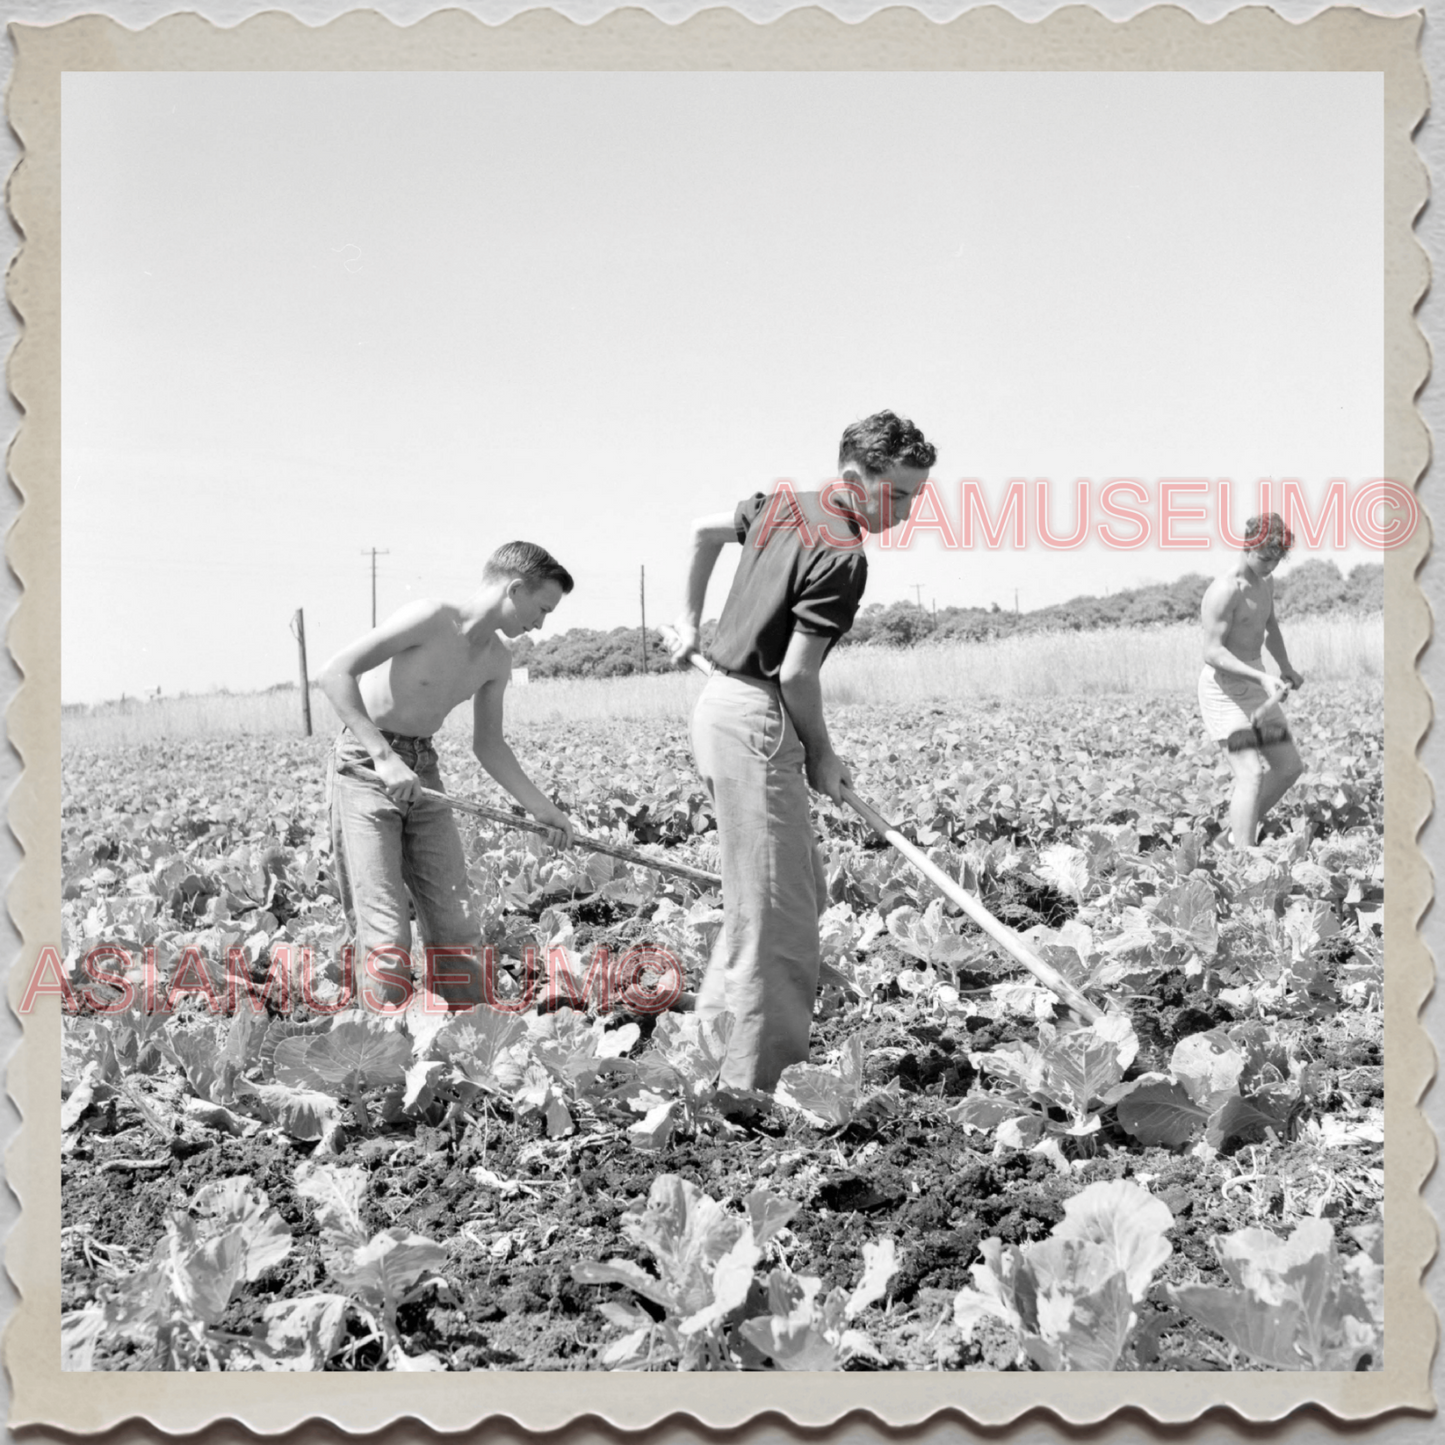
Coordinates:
column 375, row 553
column 298, row 631
column 642, row 599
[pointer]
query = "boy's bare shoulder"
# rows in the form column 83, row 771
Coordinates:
column 1220, row 593
column 436, row 607
column 427, row 614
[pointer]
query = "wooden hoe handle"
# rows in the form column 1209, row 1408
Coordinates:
column 592, row 845
column 1001, row 933
column 1257, row 715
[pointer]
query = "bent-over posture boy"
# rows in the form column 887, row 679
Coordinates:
column 393, row 689
column 759, row 725
column 1239, row 620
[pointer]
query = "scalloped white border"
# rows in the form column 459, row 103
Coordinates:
column 884, row 1397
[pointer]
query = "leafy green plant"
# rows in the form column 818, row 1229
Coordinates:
column 1070, row 1071
column 1294, row 1303
column 1069, row 1300
column 173, row 1304
column 675, row 1078
column 377, row 1272
column 357, row 1053
column 929, row 936
column 308, row 1072
column 807, row 1330
column 704, row 1259
column 1222, row 1085
column 1191, row 916
column 825, row 1096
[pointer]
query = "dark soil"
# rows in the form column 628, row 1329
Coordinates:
column 919, row 1179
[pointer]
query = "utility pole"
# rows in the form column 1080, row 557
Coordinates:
column 298, row 631
column 642, row 599
column 1016, row 601
column 375, row 553
column 918, row 592
column 935, row 613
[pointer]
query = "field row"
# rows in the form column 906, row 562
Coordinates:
column 306, row 1189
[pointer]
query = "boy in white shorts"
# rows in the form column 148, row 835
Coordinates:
column 1239, row 622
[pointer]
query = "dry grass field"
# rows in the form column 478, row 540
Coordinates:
column 1032, row 668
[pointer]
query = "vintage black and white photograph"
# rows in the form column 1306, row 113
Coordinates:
column 723, row 721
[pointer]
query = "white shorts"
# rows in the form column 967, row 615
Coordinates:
column 1228, row 702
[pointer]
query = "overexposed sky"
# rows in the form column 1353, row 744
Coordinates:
column 308, row 314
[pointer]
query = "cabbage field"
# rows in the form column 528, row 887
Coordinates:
column 964, row 1177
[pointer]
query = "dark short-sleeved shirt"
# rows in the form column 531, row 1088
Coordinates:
column 802, row 568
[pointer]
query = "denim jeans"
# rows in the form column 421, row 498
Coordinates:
column 764, row 966
column 386, row 853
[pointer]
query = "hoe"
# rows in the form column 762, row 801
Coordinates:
column 1259, row 735
column 1001, row 933
column 592, row 845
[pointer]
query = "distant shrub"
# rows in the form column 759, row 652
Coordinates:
column 1315, row 586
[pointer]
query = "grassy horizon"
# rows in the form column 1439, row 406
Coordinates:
column 1033, row 666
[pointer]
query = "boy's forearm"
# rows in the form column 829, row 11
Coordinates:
column 803, row 699
column 1274, row 641
column 699, row 573
column 343, row 692
column 1219, row 657
column 501, row 762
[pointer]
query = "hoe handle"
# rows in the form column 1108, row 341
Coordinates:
column 1001, row 933
column 592, row 845
column 1269, row 702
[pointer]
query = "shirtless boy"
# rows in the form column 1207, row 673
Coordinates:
column 759, row 728
column 393, row 688
column 1239, row 620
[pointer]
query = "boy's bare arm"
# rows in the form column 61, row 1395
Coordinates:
column 1274, row 640
column 411, row 627
column 496, row 756
column 802, row 688
column 709, row 536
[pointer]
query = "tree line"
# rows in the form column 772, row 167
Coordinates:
column 1316, row 586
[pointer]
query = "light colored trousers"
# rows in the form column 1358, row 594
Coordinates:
column 764, row 966
column 387, row 855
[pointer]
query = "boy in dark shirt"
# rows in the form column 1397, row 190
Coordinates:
column 759, row 725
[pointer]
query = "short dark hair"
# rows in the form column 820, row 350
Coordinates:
column 1269, row 531
column 533, row 564
column 885, row 440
